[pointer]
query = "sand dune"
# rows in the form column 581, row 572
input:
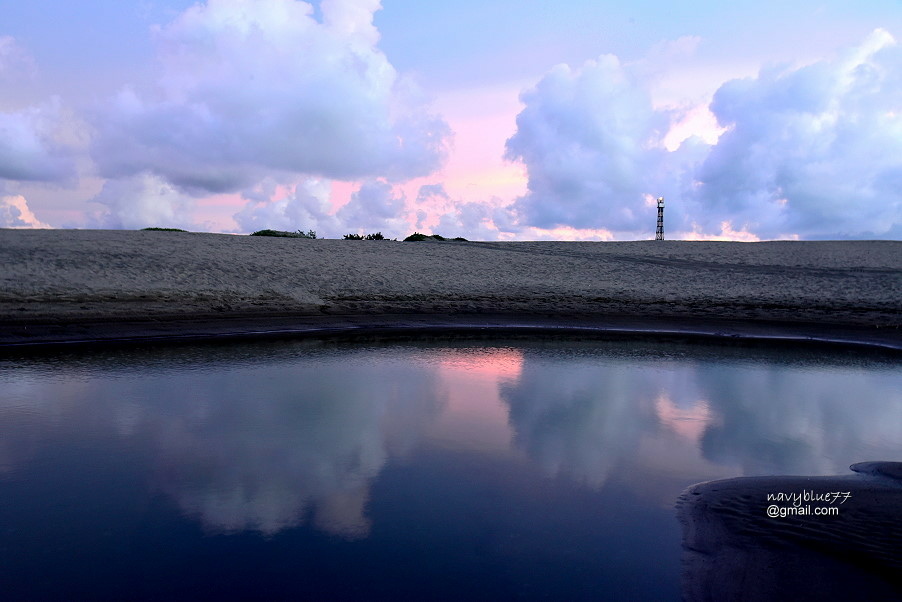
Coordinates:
column 735, row 549
column 79, row 276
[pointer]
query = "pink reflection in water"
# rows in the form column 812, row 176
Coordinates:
column 475, row 417
column 689, row 423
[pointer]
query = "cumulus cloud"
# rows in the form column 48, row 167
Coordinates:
column 251, row 88
column 814, row 151
column 479, row 220
column 592, row 144
column 302, row 205
column 375, row 207
column 433, row 194
column 437, row 211
column 305, row 205
column 32, row 144
column 15, row 213
column 140, row 201
column 35, row 140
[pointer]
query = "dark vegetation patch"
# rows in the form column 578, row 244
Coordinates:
column 155, row 229
column 283, row 234
column 416, row 237
column 374, row 236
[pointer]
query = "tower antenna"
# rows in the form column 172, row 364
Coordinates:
column 659, row 233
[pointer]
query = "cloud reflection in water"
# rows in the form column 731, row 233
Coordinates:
column 589, row 413
column 261, row 447
column 267, row 443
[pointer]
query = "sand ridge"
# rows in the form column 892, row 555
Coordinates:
column 107, row 275
column 733, row 548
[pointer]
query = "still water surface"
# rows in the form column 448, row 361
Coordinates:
column 432, row 469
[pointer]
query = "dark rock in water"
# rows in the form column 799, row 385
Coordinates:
column 777, row 538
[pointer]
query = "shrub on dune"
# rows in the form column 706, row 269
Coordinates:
column 373, row 236
column 283, row 234
column 416, row 237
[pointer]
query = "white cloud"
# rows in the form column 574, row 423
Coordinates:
column 36, row 140
column 375, row 207
column 477, row 220
column 143, row 200
column 813, row 151
column 303, row 205
column 353, row 18
column 33, row 145
column 440, row 213
column 15, row 213
column 249, row 89
column 16, row 64
column 593, row 147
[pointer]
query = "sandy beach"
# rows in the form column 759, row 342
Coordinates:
column 66, row 285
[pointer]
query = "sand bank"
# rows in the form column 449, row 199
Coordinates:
column 739, row 545
column 62, row 285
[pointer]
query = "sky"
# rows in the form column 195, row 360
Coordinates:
column 490, row 119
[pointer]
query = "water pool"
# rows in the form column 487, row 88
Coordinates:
column 423, row 469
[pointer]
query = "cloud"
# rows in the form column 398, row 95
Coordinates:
column 478, row 220
column 15, row 213
column 35, row 140
column 375, row 207
column 815, row 150
column 142, row 200
column 432, row 193
column 249, row 89
column 812, row 151
column 33, row 146
column 302, row 205
column 16, row 65
column 440, row 213
column 589, row 139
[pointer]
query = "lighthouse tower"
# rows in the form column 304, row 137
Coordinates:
column 659, row 233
